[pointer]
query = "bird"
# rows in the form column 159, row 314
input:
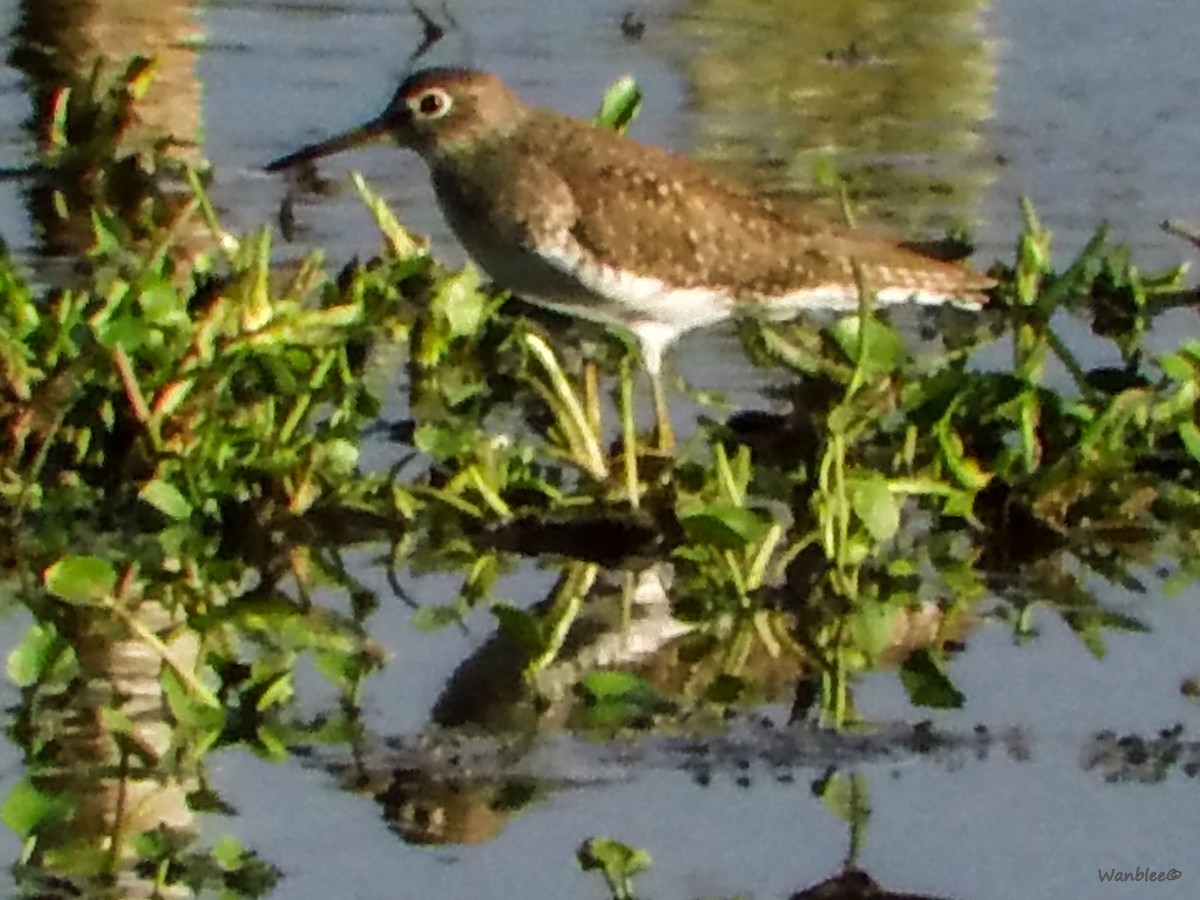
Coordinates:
column 585, row 220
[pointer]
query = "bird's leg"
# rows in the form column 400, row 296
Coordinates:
column 662, row 415
column 633, row 486
column 653, row 341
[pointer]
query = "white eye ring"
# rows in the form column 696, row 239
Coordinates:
column 432, row 103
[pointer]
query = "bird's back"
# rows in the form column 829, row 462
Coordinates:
column 665, row 216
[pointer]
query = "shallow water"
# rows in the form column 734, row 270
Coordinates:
column 943, row 113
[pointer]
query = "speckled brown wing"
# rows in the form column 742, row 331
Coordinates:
column 666, row 217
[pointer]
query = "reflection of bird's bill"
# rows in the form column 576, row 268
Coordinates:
column 432, row 32
column 368, row 133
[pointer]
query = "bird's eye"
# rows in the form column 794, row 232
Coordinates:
column 432, row 104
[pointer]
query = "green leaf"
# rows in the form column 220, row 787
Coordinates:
column 339, row 667
column 965, row 469
column 825, row 172
column 402, row 244
column 126, row 331
column 927, row 684
column 524, row 627
column 332, row 317
column 620, row 105
column 435, row 618
column 339, row 457
column 190, row 711
column 875, row 504
column 166, row 498
column 616, row 697
column 277, row 693
column 618, row 862
column 272, row 742
column 26, row 808
column 139, row 76
column 1179, row 367
column 162, row 304
column 61, row 101
column 846, row 796
column 871, row 627
column 84, row 580
column 1190, row 435
column 37, row 651
column 723, row 525
column 228, row 853
column 614, row 855
column 153, row 844
column 726, row 690
column 460, row 303
column 606, row 685
column 883, row 348
column 793, row 353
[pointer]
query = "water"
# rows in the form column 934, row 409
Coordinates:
column 939, row 113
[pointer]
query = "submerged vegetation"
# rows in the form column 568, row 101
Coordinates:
column 184, row 478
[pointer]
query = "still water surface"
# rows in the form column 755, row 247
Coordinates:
column 938, row 113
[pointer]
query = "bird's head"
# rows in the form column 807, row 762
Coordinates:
column 436, row 112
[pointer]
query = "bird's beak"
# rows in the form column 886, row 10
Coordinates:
column 374, row 130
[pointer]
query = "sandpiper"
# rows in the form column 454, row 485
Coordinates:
column 584, row 220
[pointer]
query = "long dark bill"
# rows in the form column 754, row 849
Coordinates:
column 356, row 137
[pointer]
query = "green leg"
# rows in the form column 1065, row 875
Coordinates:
column 666, row 436
column 653, row 340
column 629, row 436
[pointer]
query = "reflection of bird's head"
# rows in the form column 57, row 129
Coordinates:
column 426, row 810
